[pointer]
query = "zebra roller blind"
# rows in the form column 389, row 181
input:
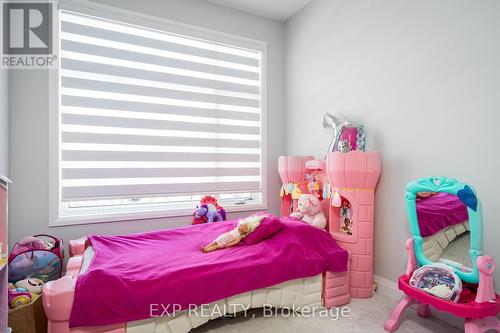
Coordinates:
column 146, row 112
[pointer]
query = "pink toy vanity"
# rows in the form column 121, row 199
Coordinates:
column 446, row 223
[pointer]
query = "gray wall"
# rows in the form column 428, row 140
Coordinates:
column 29, row 120
column 4, row 122
column 424, row 77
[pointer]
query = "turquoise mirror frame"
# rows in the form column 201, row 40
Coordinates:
column 453, row 186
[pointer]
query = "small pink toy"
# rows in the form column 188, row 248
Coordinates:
column 31, row 242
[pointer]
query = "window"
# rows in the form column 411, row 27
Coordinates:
column 149, row 118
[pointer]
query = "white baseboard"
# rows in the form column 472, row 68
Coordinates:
column 390, row 289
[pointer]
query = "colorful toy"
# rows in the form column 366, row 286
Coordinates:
column 361, row 138
column 18, row 297
column 312, row 185
column 346, row 135
column 36, row 258
column 296, row 193
column 309, row 210
column 439, row 280
column 32, row 285
column 337, row 123
column 34, row 243
column 344, row 146
column 208, row 211
column 295, row 190
column 345, row 217
column 336, row 198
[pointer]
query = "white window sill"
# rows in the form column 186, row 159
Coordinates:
column 143, row 215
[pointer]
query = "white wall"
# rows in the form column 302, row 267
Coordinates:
column 29, row 120
column 424, row 77
column 4, row 122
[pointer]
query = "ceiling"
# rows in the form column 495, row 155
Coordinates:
column 279, row 10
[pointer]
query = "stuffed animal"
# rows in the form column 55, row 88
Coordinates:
column 18, row 296
column 309, row 210
column 36, row 243
column 32, row 285
column 208, row 211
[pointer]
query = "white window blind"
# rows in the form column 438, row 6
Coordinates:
column 148, row 113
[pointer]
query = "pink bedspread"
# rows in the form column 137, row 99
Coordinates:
column 129, row 273
column 438, row 212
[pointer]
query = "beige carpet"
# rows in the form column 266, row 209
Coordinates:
column 367, row 315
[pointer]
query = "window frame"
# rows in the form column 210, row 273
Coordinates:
column 162, row 24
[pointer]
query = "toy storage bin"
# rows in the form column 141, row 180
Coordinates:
column 29, row 318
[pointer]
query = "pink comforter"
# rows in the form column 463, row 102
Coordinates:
column 130, row 273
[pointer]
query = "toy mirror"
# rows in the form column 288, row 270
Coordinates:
column 446, row 223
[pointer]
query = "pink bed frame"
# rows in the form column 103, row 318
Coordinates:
column 355, row 173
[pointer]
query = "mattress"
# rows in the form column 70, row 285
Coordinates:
column 294, row 294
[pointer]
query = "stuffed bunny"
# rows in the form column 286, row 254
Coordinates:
column 309, row 210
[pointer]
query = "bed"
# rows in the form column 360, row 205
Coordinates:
column 303, row 265
column 356, row 174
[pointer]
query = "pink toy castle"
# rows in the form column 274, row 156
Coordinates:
column 353, row 176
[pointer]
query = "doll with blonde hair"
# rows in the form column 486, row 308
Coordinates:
column 231, row 238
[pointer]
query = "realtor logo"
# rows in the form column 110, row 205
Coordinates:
column 27, row 28
column 27, row 35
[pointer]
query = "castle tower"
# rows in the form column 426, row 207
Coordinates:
column 355, row 176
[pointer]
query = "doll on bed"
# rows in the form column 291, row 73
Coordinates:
column 233, row 237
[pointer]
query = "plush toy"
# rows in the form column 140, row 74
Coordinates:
column 309, row 210
column 32, row 285
column 208, row 211
column 36, row 243
column 18, row 296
